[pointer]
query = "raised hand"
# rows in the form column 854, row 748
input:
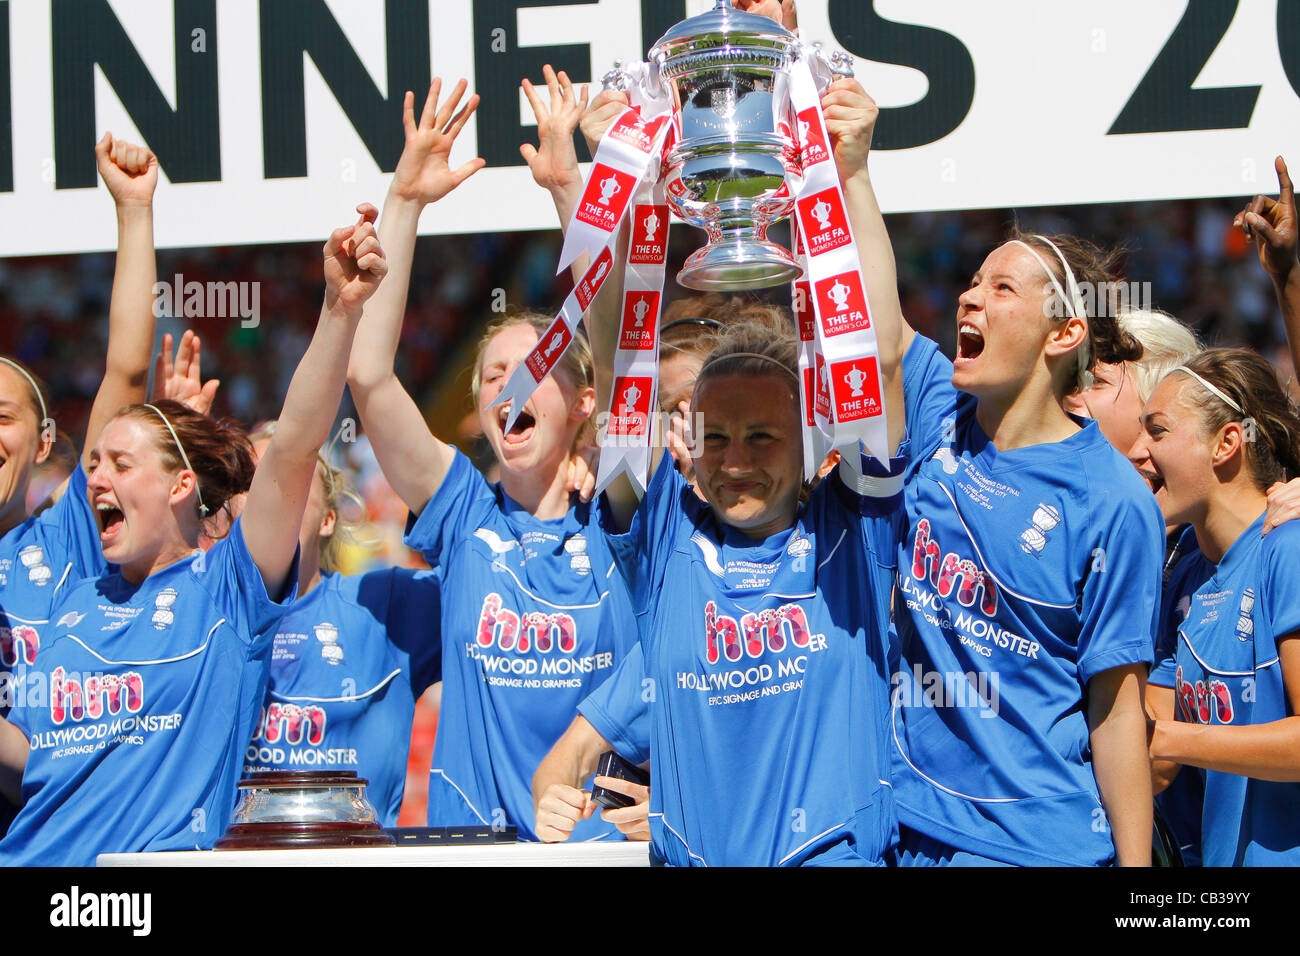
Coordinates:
column 850, row 122
column 600, row 116
column 1272, row 224
column 423, row 174
column 354, row 263
column 182, row 380
column 555, row 163
column 130, row 172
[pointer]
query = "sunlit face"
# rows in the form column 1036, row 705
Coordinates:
column 1113, row 401
column 544, row 433
column 133, row 496
column 1002, row 324
column 20, row 440
column 750, row 464
column 1173, row 454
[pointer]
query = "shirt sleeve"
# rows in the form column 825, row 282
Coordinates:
column 70, row 524
column 1279, row 589
column 619, row 709
column 929, row 399
column 228, row 573
column 413, row 621
column 1122, row 586
column 641, row 553
column 455, row 510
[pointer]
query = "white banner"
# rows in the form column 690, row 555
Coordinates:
column 273, row 119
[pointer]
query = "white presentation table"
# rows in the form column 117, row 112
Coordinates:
column 502, row 854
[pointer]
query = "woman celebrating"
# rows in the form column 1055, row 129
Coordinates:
column 1055, row 623
column 1217, row 433
column 39, row 554
column 528, row 585
column 349, row 659
column 156, row 672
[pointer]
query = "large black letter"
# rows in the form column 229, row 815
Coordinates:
column 500, row 63
column 1165, row 102
column 1288, row 41
column 943, row 59
column 291, row 29
column 186, row 140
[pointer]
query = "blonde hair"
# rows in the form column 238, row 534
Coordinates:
column 575, row 365
column 337, row 495
column 1166, row 344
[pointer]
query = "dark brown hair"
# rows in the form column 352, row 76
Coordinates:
column 1090, row 263
column 218, row 449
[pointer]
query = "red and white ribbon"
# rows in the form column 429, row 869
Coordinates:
column 628, row 151
column 846, row 351
column 625, row 446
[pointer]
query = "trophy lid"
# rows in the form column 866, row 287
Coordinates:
column 725, row 26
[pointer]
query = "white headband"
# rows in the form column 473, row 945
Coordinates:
column 32, row 382
column 1217, row 393
column 203, row 509
column 1073, row 302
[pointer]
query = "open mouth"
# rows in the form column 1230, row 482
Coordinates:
column 110, row 520
column 523, row 429
column 1154, row 481
column 970, row 341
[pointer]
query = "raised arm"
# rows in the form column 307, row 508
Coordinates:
column 1273, row 226
column 131, row 175
column 413, row 460
column 354, row 266
column 851, row 120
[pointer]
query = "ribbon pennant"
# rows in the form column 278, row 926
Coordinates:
column 845, row 358
column 626, row 443
column 626, row 152
column 555, row 341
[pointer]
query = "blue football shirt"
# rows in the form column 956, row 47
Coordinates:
column 39, row 558
column 764, row 677
column 534, row 616
column 1021, row 575
column 139, row 708
column 1182, row 802
column 1230, row 619
column 348, row 662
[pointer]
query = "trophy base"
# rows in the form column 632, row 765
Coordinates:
column 736, row 266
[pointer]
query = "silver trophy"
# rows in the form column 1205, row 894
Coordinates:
column 728, row 74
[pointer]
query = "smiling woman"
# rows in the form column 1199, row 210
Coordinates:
column 1217, row 433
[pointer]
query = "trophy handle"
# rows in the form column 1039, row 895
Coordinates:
column 617, row 78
